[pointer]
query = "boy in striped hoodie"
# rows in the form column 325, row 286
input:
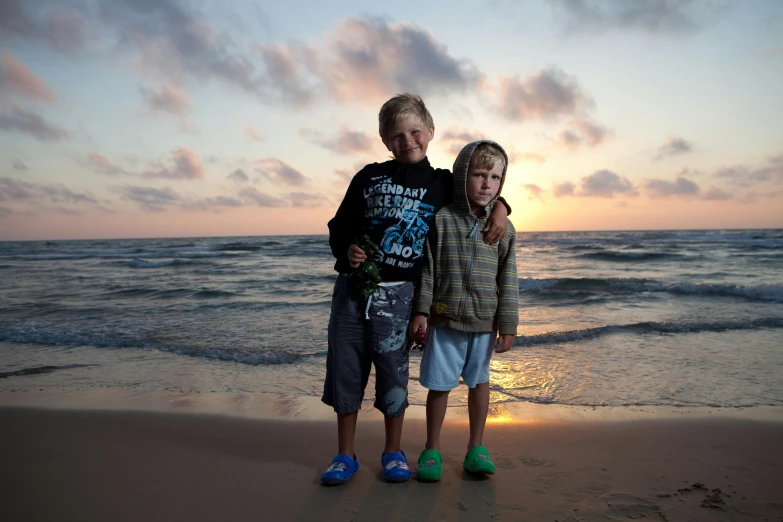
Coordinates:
column 468, row 295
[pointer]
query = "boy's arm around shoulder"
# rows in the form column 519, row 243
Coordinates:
column 508, row 284
column 424, row 290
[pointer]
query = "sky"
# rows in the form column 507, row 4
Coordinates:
column 167, row 118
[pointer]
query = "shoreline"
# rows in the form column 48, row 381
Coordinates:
column 269, row 406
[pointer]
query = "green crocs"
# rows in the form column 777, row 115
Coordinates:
column 477, row 461
column 429, row 468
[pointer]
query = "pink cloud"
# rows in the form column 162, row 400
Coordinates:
column 546, row 95
column 187, row 165
column 17, row 77
column 169, row 99
column 582, row 132
column 102, row 165
column 534, row 191
column 277, row 170
column 364, row 61
column 253, row 134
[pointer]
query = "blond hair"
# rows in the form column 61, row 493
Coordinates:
column 487, row 156
column 398, row 108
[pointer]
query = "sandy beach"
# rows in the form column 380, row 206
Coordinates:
column 107, row 464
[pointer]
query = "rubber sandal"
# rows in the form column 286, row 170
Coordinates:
column 340, row 470
column 430, row 466
column 395, row 467
column 477, row 461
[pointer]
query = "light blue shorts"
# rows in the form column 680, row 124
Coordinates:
column 449, row 354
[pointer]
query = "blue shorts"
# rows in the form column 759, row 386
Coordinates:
column 365, row 332
column 449, row 354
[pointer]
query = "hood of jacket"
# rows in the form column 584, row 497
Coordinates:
column 460, row 171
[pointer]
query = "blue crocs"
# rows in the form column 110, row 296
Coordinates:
column 340, row 470
column 395, row 467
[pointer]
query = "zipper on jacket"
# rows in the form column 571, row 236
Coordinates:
column 470, row 272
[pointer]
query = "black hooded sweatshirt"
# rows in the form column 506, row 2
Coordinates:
column 394, row 204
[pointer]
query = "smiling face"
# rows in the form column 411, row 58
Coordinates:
column 482, row 186
column 408, row 139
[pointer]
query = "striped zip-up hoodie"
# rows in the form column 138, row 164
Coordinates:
column 467, row 284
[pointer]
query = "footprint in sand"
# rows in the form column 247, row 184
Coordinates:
column 629, row 506
column 535, row 463
column 505, row 463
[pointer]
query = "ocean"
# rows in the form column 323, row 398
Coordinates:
column 634, row 318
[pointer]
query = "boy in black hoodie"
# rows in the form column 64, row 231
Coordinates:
column 393, row 203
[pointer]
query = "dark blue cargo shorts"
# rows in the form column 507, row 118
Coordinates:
column 364, row 332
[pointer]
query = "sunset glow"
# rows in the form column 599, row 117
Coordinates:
column 165, row 119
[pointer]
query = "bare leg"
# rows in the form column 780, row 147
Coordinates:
column 478, row 406
column 437, row 402
column 393, row 427
column 346, row 432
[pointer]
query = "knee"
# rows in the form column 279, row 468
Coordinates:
column 394, row 402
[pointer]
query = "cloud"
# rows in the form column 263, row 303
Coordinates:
column 601, row 184
column 374, row 58
column 19, row 165
column 102, row 165
column 357, row 61
column 28, row 122
column 652, row 16
column 659, row 188
column 17, row 77
column 169, row 99
column 717, row 194
column 365, row 60
column 251, row 133
column 549, row 94
column 214, row 203
column 741, row 176
column 261, row 199
column 345, row 141
column 283, row 74
column 687, row 171
column 276, row 170
column 63, row 28
column 454, row 138
column 150, row 198
column 238, row 176
column 187, row 165
column 345, row 174
column 14, row 190
column 303, row 200
column 175, row 41
column 605, row 184
column 159, row 200
column 673, row 146
column 565, row 188
column 534, row 191
column 582, row 132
